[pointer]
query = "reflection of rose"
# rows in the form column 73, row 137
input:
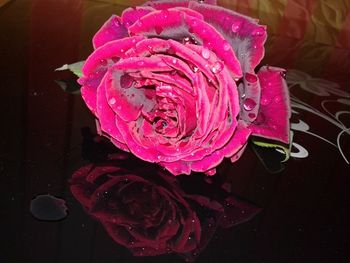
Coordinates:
column 145, row 217
column 149, row 213
column 162, row 83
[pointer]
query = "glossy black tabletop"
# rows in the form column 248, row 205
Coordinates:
column 47, row 134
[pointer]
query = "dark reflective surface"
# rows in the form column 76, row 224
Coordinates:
column 48, row 134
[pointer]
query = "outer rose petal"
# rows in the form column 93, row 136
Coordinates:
column 209, row 162
column 272, row 121
column 132, row 14
column 166, row 4
column 177, row 25
column 242, row 32
column 112, row 29
column 106, row 116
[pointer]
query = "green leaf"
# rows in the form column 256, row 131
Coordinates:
column 76, row 68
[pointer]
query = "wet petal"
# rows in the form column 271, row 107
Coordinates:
column 245, row 36
column 272, row 121
column 132, row 14
column 112, row 29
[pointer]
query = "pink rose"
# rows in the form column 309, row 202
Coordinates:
column 162, row 82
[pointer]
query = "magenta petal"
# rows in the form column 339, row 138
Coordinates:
column 132, row 14
column 246, row 37
column 237, row 141
column 112, row 29
column 112, row 50
column 106, row 116
column 166, row 4
column 89, row 96
column 272, row 121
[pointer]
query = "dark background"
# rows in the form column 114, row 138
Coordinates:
column 305, row 215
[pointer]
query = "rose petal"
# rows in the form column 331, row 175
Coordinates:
column 243, row 33
column 178, row 25
column 132, row 14
column 166, row 4
column 106, row 115
column 237, row 141
column 272, row 121
column 112, row 29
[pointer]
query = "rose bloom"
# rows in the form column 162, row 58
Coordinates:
column 174, row 82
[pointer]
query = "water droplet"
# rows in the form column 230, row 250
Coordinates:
column 277, row 99
column 218, row 67
column 126, row 81
column 283, row 74
column 258, row 32
column 140, row 63
column 236, row 26
column 186, row 40
column 119, row 108
column 103, row 62
column 227, row 46
column 249, row 104
column 250, row 77
column 139, row 23
column 264, row 101
column 251, row 115
column 205, row 53
column 158, row 30
column 174, row 60
column 112, row 101
column 195, row 69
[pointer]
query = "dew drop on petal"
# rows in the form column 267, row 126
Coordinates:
column 158, row 30
column 205, row 53
column 217, row 67
column 249, row 104
column 140, row 63
column 126, row 81
column 112, row 101
column 186, row 40
column 264, row 101
column 258, row 32
column 236, row 26
column 103, row 62
column 174, row 60
column 227, row 46
column 251, row 115
column 139, row 23
column 277, row 99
